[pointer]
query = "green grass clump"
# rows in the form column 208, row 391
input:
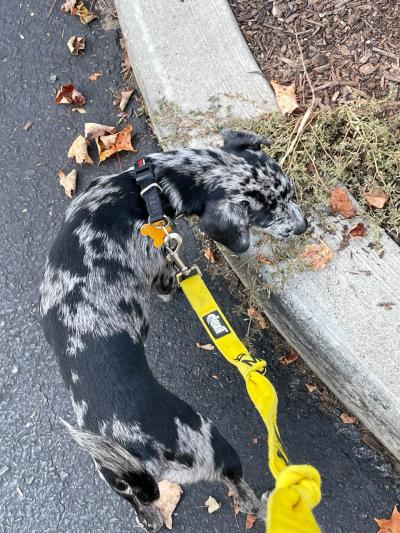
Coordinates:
column 356, row 145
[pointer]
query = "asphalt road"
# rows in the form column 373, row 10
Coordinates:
column 46, row 483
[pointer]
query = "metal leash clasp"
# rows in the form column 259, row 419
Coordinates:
column 172, row 243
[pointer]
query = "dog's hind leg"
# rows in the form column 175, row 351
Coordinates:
column 125, row 474
column 228, row 463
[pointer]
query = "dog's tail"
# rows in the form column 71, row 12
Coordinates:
column 113, row 457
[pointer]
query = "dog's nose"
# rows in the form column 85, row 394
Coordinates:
column 301, row 226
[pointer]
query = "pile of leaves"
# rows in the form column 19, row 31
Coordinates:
column 356, row 145
column 348, row 45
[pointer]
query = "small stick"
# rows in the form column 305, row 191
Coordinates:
column 306, row 115
column 51, row 9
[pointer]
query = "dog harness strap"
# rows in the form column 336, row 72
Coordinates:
column 149, row 190
column 298, row 487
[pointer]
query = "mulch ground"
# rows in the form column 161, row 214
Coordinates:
column 348, row 45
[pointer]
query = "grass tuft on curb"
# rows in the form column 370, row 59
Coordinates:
column 356, row 145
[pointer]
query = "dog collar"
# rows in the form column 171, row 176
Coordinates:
column 158, row 225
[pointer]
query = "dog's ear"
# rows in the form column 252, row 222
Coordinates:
column 228, row 224
column 243, row 140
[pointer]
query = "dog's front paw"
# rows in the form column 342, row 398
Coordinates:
column 149, row 517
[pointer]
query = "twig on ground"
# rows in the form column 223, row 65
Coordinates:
column 307, row 114
column 51, row 9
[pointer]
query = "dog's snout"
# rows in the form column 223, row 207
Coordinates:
column 301, row 226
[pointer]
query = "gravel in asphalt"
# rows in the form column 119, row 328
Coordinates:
column 46, row 483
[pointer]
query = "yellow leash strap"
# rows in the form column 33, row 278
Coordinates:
column 298, row 487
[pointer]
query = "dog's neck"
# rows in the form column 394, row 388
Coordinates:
column 185, row 178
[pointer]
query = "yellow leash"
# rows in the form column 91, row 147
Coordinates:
column 298, row 487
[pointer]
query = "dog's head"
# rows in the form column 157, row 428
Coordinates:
column 257, row 193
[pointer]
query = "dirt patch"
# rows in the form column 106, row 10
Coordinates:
column 348, row 45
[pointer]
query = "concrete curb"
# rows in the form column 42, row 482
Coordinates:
column 195, row 72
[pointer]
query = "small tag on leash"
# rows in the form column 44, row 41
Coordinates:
column 156, row 232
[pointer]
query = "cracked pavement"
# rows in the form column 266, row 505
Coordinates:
column 46, row 483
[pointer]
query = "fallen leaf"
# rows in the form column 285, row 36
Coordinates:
column 93, row 130
column 289, row 359
column 317, row 256
column 208, row 347
column 68, row 6
column 109, row 145
column 311, row 388
column 265, row 260
column 360, row 230
column 79, row 151
column 250, row 521
column 386, row 305
column 69, row 95
column 341, row 203
column 80, row 110
column 212, row 504
column 286, row 97
column 76, row 45
column 80, row 10
column 376, row 198
column 68, row 182
column 392, row 525
column 255, row 440
column 125, row 97
column 170, row 494
column 95, row 76
column 252, row 312
column 28, row 125
column 209, row 254
column 347, row 419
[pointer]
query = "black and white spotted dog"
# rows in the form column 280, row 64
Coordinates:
column 95, row 300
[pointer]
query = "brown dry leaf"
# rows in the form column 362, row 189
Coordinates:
column 250, row 521
column 80, row 110
column 252, row 312
column 93, row 130
column 208, row 347
column 68, row 6
column 376, row 198
column 127, row 61
column 109, row 145
column 95, row 76
column 289, row 359
column 76, row 45
column 125, row 97
column 311, row 388
column 359, row 230
column 79, row 150
column 68, row 182
column 347, row 419
column 209, row 254
column 170, row 494
column 80, row 10
column 341, row 203
column 69, row 95
column 28, row 125
column 255, row 440
column 265, row 260
column 392, row 525
column 286, row 97
column 316, row 256
column 212, row 505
